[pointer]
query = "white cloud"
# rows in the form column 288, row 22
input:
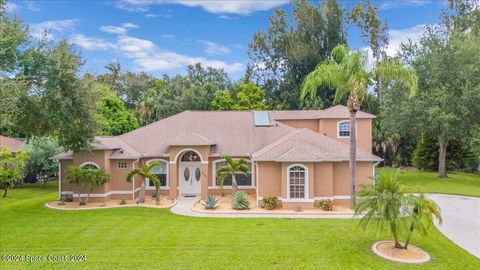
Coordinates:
column 91, row 43
column 243, row 7
column 119, row 30
column 113, row 29
column 168, row 36
column 213, row 48
column 148, row 57
column 397, row 37
column 12, row 8
column 48, row 29
column 403, row 3
column 227, row 17
column 33, row 6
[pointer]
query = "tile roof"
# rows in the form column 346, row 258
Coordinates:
column 13, row 144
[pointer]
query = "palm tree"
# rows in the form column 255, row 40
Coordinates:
column 144, row 172
column 233, row 167
column 390, row 204
column 86, row 177
column 347, row 72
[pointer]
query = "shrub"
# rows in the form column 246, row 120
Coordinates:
column 326, row 205
column 210, row 202
column 270, row 202
column 240, row 201
column 61, row 203
column 123, row 201
column 67, row 197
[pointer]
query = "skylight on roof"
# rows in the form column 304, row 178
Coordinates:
column 261, row 119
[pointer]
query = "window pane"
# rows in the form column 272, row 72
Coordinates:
column 242, row 179
column 297, row 182
column 344, row 129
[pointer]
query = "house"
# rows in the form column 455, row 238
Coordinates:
column 12, row 144
column 298, row 156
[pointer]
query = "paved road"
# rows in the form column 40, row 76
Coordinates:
column 461, row 220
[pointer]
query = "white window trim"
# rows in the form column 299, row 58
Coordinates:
column 167, row 186
column 346, row 137
column 183, row 151
column 214, row 174
column 90, row 163
column 306, row 199
column 126, row 162
column 338, row 128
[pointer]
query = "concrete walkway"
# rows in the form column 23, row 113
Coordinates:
column 184, row 208
column 461, row 220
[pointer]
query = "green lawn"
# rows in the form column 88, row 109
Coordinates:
column 459, row 183
column 142, row 238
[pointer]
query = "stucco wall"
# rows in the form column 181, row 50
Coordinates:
column 364, row 132
column 269, row 179
column 341, row 181
column 311, row 124
column 323, row 182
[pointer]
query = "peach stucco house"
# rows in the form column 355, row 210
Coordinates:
column 298, row 156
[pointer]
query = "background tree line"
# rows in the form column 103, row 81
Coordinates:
column 42, row 92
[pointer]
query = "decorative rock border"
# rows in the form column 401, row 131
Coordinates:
column 425, row 258
column 110, row 206
column 270, row 212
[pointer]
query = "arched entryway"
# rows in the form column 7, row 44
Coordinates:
column 189, row 173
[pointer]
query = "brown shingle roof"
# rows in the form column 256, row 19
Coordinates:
column 306, row 145
column 341, row 111
column 189, row 139
column 234, row 133
column 13, row 144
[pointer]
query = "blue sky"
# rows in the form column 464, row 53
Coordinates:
column 164, row 36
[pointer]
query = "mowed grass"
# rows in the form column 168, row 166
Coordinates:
column 142, row 238
column 459, row 183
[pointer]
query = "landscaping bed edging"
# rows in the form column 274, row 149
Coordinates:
column 415, row 252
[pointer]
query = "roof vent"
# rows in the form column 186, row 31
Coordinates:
column 261, row 119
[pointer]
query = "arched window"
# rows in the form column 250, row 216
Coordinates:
column 160, row 171
column 90, row 166
column 297, row 185
column 242, row 179
column 343, row 129
column 190, row 156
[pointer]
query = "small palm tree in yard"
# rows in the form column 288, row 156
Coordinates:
column 347, row 72
column 233, row 167
column 389, row 204
column 144, row 172
column 86, row 178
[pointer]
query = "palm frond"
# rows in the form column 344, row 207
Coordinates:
column 392, row 70
column 326, row 74
column 340, row 53
column 131, row 174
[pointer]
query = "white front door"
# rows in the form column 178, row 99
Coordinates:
column 189, row 177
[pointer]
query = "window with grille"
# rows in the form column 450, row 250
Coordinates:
column 344, row 129
column 122, row 165
column 296, row 182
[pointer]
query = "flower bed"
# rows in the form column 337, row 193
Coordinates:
column 224, row 206
column 149, row 202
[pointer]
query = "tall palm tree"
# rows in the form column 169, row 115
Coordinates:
column 389, row 204
column 144, row 172
column 347, row 72
column 233, row 167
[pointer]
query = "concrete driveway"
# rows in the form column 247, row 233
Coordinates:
column 461, row 220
